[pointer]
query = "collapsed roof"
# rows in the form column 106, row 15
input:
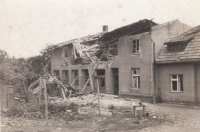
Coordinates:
column 191, row 52
column 93, row 45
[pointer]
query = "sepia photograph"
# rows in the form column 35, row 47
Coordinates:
column 99, row 66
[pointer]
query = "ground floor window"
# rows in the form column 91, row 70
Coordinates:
column 85, row 77
column 100, row 74
column 75, row 77
column 135, row 77
column 65, row 76
column 176, row 83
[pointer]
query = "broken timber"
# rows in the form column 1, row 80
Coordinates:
column 93, row 70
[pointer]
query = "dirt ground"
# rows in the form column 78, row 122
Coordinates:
column 162, row 118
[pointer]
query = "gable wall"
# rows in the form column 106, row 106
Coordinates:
column 163, row 32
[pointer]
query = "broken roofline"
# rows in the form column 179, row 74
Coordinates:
column 88, row 38
column 100, row 36
column 131, row 29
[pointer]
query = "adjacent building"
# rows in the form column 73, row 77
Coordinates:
column 178, row 68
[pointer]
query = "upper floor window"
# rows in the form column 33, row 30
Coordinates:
column 176, row 47
column 136, row 46
column 66, row 51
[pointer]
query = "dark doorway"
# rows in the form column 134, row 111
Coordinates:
column 100, row 75
column 115, row 73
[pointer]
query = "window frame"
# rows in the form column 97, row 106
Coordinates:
column 179, row 47
column 179, row 80
column 76, row 83
column 137, row 75
column 137, row 46
column 84, row 77
column 65, row 76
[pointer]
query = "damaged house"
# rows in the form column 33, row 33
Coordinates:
column 122, row 60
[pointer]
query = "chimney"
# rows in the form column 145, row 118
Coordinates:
column 105, row 28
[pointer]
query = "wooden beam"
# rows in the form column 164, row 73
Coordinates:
column 98, row 97
column 90, row 57
column 46, row 102
column 93, row 70
column 74, row 81
column 91, row 81
column 40, row 88
column 24, row 89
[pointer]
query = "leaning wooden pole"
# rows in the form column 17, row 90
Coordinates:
column 93, row 70
column 98, row 97
column 40, row 92
column 46, row 102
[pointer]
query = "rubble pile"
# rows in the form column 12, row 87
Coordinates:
column 106, row 101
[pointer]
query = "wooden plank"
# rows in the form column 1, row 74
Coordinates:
column 91, row 81
column 40, row 92
column 90, row 57
column 63, row 93
column 24, row 89
column 93, row 70
column 98, row 97
column 74, row 80
column 46, row 103
column 74, row 52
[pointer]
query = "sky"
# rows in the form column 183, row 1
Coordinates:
column 27, row 26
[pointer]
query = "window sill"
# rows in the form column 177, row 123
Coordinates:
column 176, row 91
column 135, row 89
column 134, row 54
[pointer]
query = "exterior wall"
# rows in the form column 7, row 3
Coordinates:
column 163, row 32
column 56, row 58
column 127, row 60
column 164, row 82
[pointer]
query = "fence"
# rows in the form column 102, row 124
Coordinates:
column 6, row 96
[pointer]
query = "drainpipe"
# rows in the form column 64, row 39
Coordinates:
column 153, row 81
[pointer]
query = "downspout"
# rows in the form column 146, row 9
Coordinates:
column 153, row 82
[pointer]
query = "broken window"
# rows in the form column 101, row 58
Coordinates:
column 176, row 83
column 136, row 46
column 135, row 77
column 65, row 76
column 176, row 47
column 56, row 73
column 85, row 75
column 75, row 77
column 66, row 51
column 101, row 76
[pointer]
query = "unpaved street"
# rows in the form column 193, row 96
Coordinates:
column 163, row 118
column 178, row 118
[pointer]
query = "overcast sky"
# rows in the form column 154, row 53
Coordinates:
column 26, row 26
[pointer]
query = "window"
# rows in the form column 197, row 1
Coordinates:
column 85, row 76
column 135, row 77
column 75, row 77
column 56, row 73
column 176, row 47
column 66, row 51
column 176, row 83
column 101, row 76
column 136, row 46
column 65, row 76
